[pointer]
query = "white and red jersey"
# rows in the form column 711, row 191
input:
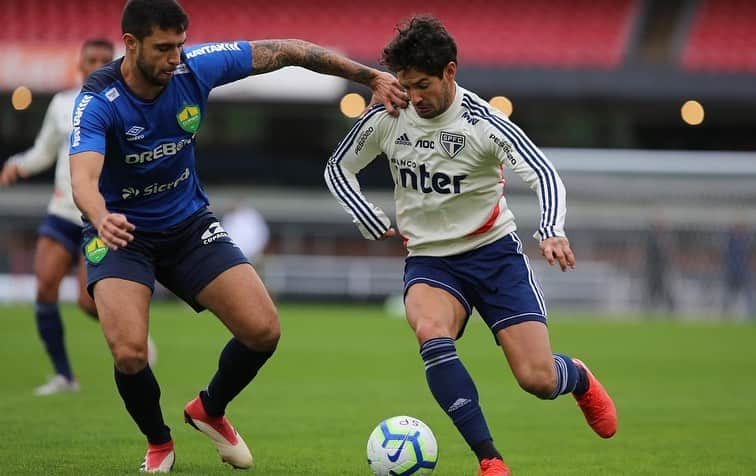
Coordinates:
column 448, row 176
column 50, row 145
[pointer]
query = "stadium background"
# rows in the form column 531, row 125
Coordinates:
column 598, row 84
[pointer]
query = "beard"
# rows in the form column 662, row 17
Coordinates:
column 148, row 73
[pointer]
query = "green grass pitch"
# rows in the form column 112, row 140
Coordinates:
column 686, row 396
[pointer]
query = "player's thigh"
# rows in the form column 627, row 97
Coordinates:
column 239, row 299
column 528, row 350
column 123, row 309
column 51, row 264
column 433, row 312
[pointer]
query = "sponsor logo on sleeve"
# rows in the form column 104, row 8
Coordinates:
column 214, row 48
column 76, row 135
column 363, row 138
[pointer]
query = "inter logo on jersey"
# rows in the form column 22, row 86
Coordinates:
column 452, row 143
column 189, row 118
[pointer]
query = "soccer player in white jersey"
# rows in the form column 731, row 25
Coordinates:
column 57, row 248
column 446, row 154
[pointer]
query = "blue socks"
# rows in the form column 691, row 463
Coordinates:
column 453, row 389
column 50, row 329
column 237, row 366
column 141, row 396
column 569, row 379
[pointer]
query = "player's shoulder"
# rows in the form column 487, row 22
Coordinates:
column 103, row 78
column 480, row 114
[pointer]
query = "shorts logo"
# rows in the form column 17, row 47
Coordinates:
column 95, row 250
column 214, row 232
column 189, row 118
column 452, row 143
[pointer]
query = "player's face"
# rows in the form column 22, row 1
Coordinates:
column 94, row 58
column 429, row 94
column 158, row 55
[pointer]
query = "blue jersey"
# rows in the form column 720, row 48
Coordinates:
column 149, row 170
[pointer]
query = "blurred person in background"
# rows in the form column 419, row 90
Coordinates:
column 446, row 154
column 249, row 230
column 659, row 294
column 147, row 217
column 59, row 235
column 737, row 252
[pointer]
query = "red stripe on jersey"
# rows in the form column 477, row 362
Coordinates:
column 489, row 223
column 405, row 240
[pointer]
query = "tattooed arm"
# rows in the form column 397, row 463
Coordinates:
column 270, row 55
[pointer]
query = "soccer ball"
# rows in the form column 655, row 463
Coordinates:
column 400, row 446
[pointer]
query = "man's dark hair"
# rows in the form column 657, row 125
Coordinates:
column 423, row 44
column 141, row 16
column 98, row 43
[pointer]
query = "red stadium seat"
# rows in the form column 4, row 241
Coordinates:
column 722, row 38
column 570, row 34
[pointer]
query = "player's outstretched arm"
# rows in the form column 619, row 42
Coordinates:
column 113, row 228
column 270, row 55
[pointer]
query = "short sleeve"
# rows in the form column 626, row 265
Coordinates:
column 90, row 124
column 216, row 64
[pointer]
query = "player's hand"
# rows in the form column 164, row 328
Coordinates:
column 390, row 233
column 9, row 174
column 115, row 230
column 557, row 248
column 388, row 91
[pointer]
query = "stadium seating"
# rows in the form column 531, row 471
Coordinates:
column 575, row 34
column 722, row 37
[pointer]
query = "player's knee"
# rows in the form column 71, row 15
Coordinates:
column 265, row 336
column 538, row 380
column 47, row 289
column 426, row 329
column 129, row 359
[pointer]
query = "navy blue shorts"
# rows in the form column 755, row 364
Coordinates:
column 495, row 279
column 63, row 231
column 185, row 258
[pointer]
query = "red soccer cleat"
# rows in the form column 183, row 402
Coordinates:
column 159, row 458
column 597, row 405
column 228, row 442
column 493, row 467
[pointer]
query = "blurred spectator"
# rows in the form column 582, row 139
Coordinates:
column 249, row 231
column 737, row 270
column 659, row 294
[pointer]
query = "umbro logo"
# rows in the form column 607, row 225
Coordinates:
column 214, row 232
column 135, row 133
column 459, row 403
column 403, row 140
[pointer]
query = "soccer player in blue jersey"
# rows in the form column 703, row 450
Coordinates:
column 446, row 153
column 134, row 178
